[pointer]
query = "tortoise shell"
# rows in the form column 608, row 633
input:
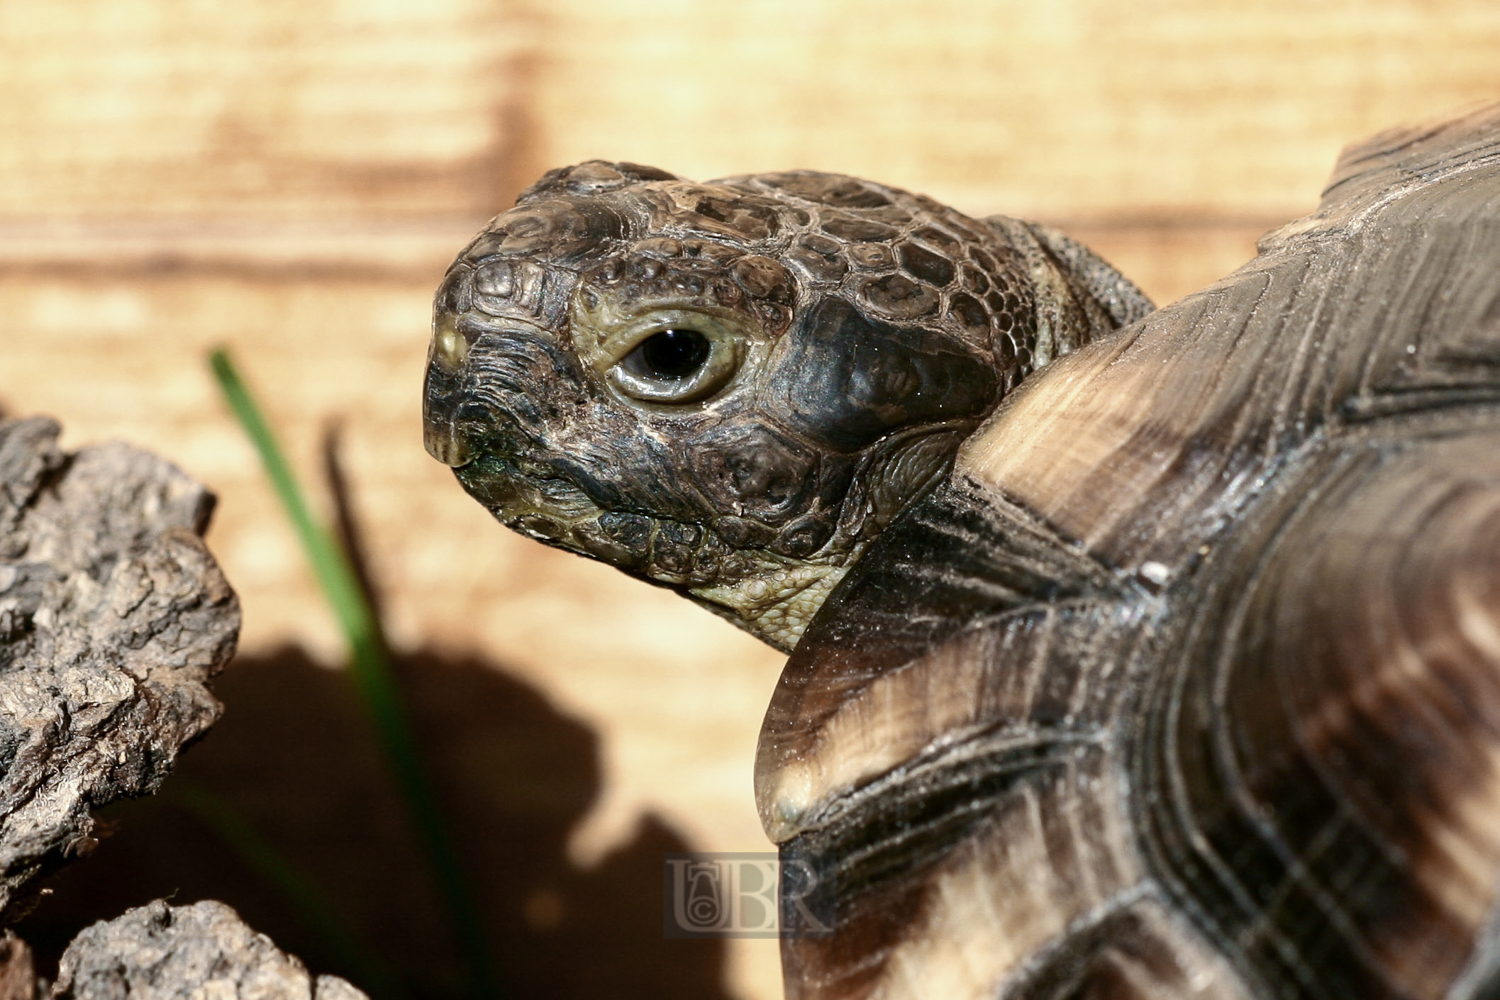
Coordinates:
column 1183, row 680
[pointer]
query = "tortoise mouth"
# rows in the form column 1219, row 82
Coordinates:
column 670, row 552
column 444, row 443
column 556, row 511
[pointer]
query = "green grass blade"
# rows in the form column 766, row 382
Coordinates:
column 370, row 663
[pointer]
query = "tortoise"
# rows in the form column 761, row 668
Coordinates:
column 1134, row 653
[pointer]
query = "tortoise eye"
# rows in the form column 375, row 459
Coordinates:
column 673, row 353
column 676, row 365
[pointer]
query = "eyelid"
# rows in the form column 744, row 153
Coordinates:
column 628, row 337
column 605, row 335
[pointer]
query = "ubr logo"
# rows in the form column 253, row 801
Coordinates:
column 748, row 895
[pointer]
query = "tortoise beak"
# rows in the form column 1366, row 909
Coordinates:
column 444, row 444
column 442, row 398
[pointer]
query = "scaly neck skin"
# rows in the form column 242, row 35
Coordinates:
column 777, row 607
column 777, row 604
column 780, row 595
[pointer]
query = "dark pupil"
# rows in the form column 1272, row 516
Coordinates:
column 675, row 353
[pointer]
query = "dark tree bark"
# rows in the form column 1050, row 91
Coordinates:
column 113, row 617
column 161, row 952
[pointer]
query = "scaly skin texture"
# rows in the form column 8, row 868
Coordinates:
column 730, row 388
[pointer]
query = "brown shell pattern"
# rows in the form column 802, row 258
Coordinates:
column 1187, row 683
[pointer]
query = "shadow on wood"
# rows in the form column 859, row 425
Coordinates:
column 293, row 760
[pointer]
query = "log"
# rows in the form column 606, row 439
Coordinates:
column 161, row 952
column 113, row 616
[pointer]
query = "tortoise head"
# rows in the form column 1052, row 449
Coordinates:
column 731, row 388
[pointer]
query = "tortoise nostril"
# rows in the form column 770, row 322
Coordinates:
column 449, row 346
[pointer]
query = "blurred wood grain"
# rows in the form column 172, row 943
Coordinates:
column 291, row 178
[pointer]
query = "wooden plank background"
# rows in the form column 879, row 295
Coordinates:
column 290, row 177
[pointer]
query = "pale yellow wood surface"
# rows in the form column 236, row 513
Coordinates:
column 290, row 178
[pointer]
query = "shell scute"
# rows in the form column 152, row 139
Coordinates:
column 1297, row 710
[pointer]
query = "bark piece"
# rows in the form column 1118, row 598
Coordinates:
column 17, row 974
column 113, row 615
column 168, row 952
